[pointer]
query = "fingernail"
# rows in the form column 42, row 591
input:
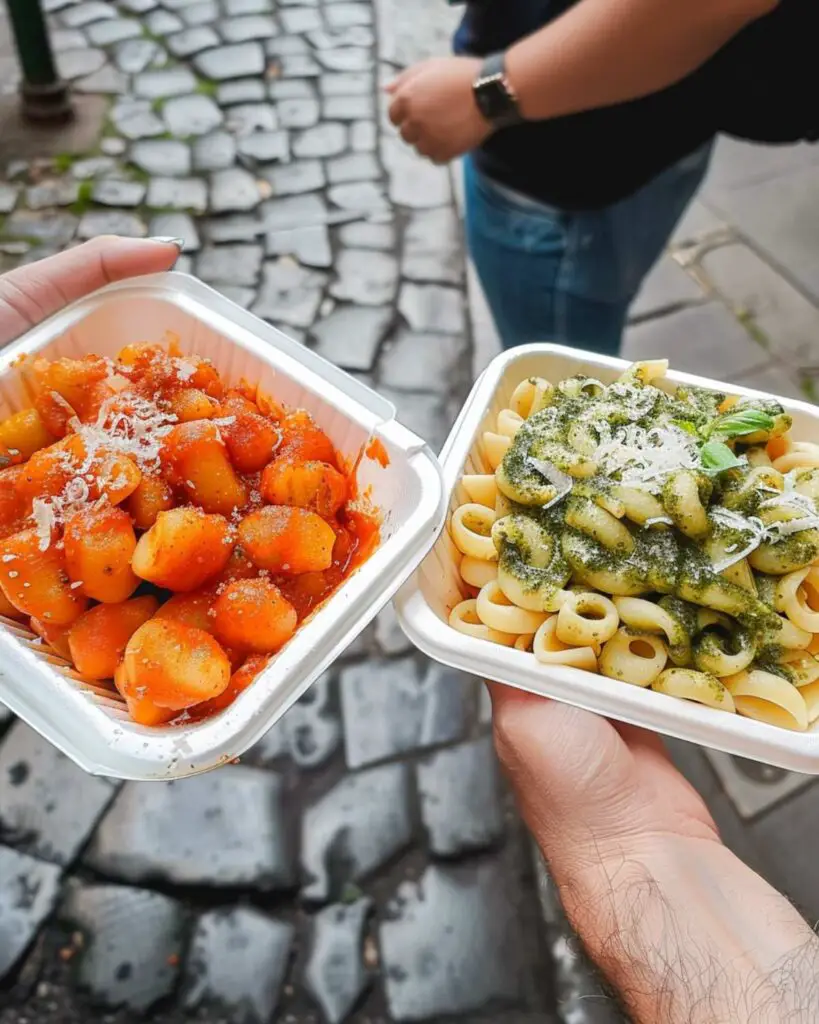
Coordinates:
column 167, row 240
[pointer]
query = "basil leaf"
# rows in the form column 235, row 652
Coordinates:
column 716, row 457
column 686, row 425
column 745, row 421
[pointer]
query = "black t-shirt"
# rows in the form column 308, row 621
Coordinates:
column 763, row 86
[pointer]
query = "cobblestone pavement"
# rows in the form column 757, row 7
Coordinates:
column 363, row 862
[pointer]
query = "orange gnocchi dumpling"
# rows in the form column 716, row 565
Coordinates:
column 253, row 615
column 183, row 549
column 287, row 539
column 241, row 679
column 34, row 579
column 196, row 461
column 98, row 638
column 55, row 636
column 313, row 485
column 250, row 437
column 303, row 440
column 69, row 387
column 13, row 506
column 21, row 435
column 142, row 710
column 99, row 545
column 151, row 496
column 173, row 665
column 193, row 609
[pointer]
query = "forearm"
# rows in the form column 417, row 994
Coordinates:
column 687, row 934
column 603, row 52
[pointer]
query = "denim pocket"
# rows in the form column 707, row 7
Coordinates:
column 516, row 224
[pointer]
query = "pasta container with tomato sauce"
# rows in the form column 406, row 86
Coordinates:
column 425, row 602
column 395, row 470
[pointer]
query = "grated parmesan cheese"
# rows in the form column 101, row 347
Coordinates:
column 561, row 481
column 647, row 456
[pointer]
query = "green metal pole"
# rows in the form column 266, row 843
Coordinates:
column 45, row 97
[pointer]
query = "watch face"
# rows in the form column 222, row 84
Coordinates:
column 494, row 101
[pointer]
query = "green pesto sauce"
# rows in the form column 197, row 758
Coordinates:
column 663, row 561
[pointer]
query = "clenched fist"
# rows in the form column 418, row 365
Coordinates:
column 434, row 108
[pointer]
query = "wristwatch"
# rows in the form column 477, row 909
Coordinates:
column 494, row 95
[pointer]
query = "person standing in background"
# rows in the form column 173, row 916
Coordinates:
column 589, row 125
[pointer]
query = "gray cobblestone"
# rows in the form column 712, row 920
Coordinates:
column 162, row 23
column 346, row 83
column 240, row 90
column 50, row 229
column 335, row 975
column 176, row 225
column 429, row 415
column 367, row 235
column 107, row 81
column 313, row 726
column 297, row 65
column 73, row 64
column 362, row 196
column 350, row 335
column 134, row 55
column 237, row 8
column 364, row 137
column 178, row 194
column 204, row 12
column 461, row 799
column 294, row 212
column 246, row 118
column 112, row 192
column 236, row 227
column 389, row 636
column 86, row 14
column 265, row 147
column 291, row 89
column 358, row 826
column 115, row 30
column 422, row 362
column 134, row 941
column 191, row 41
column 324, row 140
column 310, row 245
column 298, row 113
column 346, row 58
column 111, row 222
column 341, row 15
column 244, row 29
column 68, row 39
column 48, row 806
column 455, row 943
column 414, row 182
column 365, row 277
column 162, row 156
column 136, row 120
column 192, row 115
column 296, row 20
column 353, row 167
column 28, row 893
column 214, row 152
column 233, row 190
column 391, row 708
column 433, row 247
column 165, row 83
column 225, row 828
column 432, row 308
column 289, row 294
column 234, row 61
column 237, row 964
column 348, row 108
column 230, row 264
column 53, row 193
column 8, row 197
column 295, row 178
column 667, row 287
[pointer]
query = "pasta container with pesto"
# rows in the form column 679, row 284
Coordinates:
column 55, row 666
column 635, row 541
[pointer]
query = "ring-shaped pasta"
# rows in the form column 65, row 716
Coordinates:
column 776, row 559
column 701, row 687
column 477, row 572
column 645, row 371
column 639, row 505
column 722, row 647
column 797, row 597
column 509, row 422
column 682, row 503
column 803, row 668
column 586, row 619
column 636, row 658
column 643, row 616
column 495, row 446
column 791, row 637
column 768, row 698
column 524, row 643
column 496, row 611
column 608, row 580
column 464, row 618
column 801, row 455
column 549, row 650
column 807, row 482
column 588, row 517
column 530, row 396
column 471, row 529
column 810, row 695
column 758, row 457
column 480, row 488
column 531, row 569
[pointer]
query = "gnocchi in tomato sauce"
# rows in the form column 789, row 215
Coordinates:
column 165, row 531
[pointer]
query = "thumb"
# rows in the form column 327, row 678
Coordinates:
column 32, row 293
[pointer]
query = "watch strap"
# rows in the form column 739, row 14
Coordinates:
column 493, row 93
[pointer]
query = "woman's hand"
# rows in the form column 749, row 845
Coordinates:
column 678, row 924
column 30, row 294
column 434, row 108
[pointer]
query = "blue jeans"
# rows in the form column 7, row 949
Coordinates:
column 552, row 275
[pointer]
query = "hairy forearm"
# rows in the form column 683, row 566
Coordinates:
column 603, row 52
column 687, row 934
